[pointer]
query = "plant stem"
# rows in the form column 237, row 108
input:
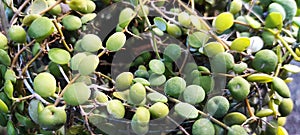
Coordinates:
column 64, row 90
column 62, row 36
column 178, row 125
column 249, row 108
column 49, row 8
column 4, row 21
column 102, row 53
column 18, row 11
column 286, row 45
column 19, row 53
column 31, row 61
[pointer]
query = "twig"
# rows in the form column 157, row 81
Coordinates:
column 64, row 90
column 105, row 76
column 19, row 53
column 62, row 36
column 18, row 11
column 31, row 61
column 102, row 53
column 49, row 8
column 178, row 125
column 37, row 96
column 249, row 108
column 86, row 121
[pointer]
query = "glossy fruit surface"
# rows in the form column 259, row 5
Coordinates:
column 77, row 94
column 52, row 118
column 203, row 127
column 239, row 88
column 17, row 34
column 3, row 41
column 159, row 110
column 40, row 28
column 175, row 86
column 265, row 61
column 44, row 84
column 217, row 106
column 71, row 22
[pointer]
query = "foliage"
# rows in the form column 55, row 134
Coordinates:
column 145, row 66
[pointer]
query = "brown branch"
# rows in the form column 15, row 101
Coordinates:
column 18, row 11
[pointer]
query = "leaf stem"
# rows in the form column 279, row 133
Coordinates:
column 49, row 8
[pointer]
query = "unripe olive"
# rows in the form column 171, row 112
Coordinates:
column 71, row 22
column 159, row 110
column 217, row 106
column 3, row 41
column 286, row 107
column 44, row 84
column 17, row 34
column 124, row 80
column 239, row 88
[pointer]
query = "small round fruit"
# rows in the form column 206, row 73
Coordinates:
column 52, row 118
column 281, row 87
column 217, row 106
column 271, row 130
column 124, row 80
column 78, row 5
column 142, row 115
column 237, row 130
column 17, row 34
column 44, row 84
column 101, row 97
column 234, row 118
column 157, row 66
column 286, row 107
column 115, row 108
column 125, row 17
column 265, row 61
column 55, row 10
column 91, row 43
column 193, row 94
column 116, row 41
column 174, row 30
column 92, row 61
column 41, row 28
column 275, row 7
column 59, row 56
column 90, row 7
column 240, row 68
column 174, row 86
column 223, row 22
column 4, row 58
column 235, row 6
column 137, row 93
column 71, row 22
column 213, row 48
column 3, row 41
column 203, row 127
column 184, row 19
column 77, row 94
column 159, row 110
column 239, row 88
column 28, row 19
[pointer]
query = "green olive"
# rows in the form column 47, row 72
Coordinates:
column 77, row 94
column 203, row 127
column 239, row 88
column 174, row 86
column 44, row 84
column 217, row 106
column 265, row 61
column 286, row 107
column 3, row 41
column 124, row 80
column 115, row 108
column 159, row 110
column 17, row 34
column 71, row 22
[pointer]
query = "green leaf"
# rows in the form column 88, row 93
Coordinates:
column 59, row 56
column 157, row 97
column 172, row 52
column 156, row 79
column 88, row 17
column 240, row 44
column 274, row 20
column 186, row 110
column 260, row 77
column 160, row 23
column 252, row 22
column 35, row 106
column 88, row 65
column 196, row 22
column 37, row 6
column 41, row 28
column 116, row 41
column 198, row 39
column 157, row 66
column 142, row 81
column 223, row 22
column 256, row 44
column 291, row 68
column 213, row 48
column 158, row 32
column 125, row 17
column 123, row 95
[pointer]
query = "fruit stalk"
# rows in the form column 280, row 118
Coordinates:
column 49, row 8
column 31, row 61
column 286, row 45
column 19, row 53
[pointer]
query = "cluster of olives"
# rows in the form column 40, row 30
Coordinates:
column 56, row 80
